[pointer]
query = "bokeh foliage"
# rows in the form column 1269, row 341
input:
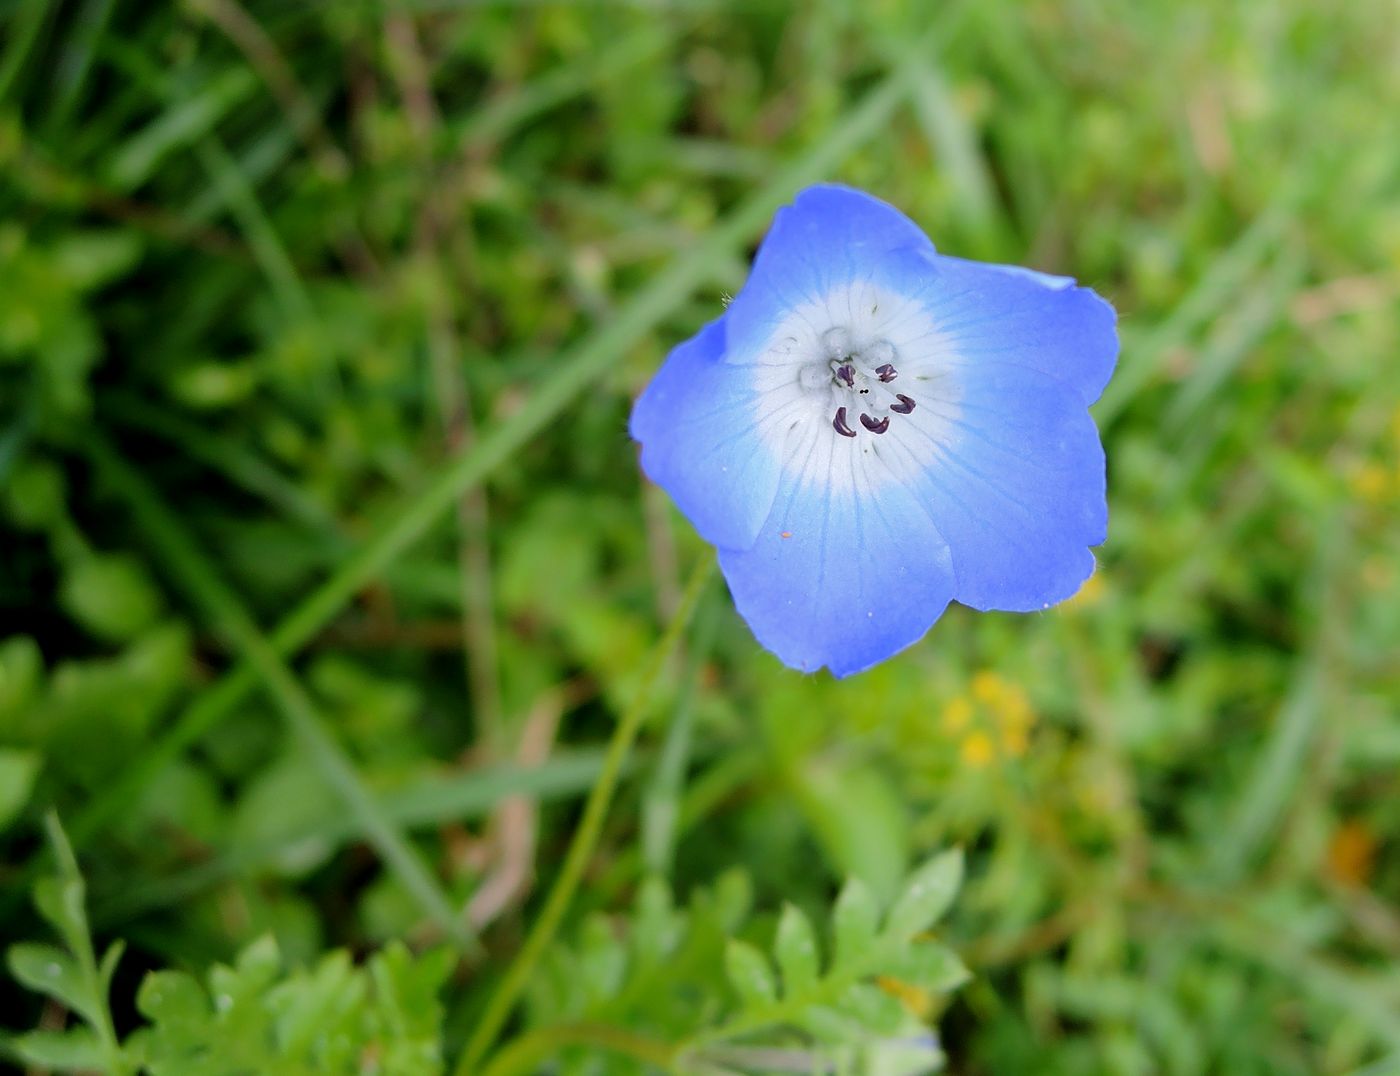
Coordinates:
column 326, row 568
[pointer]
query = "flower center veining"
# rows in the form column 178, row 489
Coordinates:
column 859, row 379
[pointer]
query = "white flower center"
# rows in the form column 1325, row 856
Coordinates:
column 856, row 390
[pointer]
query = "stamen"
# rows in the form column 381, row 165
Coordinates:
column 839, row 423
column 873, row 426
column 847, row 374
column 887, row 373
column 905, row 405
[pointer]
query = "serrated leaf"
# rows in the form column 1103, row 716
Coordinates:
column 749, row 973
column 795, row 948
column 926, row 896
column 315, row 1011
column 853, row 922
column 406, row 990
column 49, row 970
column 929, row 966
column 77, row 1048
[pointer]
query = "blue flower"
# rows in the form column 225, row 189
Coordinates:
column 873, row 429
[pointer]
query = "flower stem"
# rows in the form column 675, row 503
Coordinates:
column 585, row 838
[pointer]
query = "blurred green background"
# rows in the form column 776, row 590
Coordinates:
column 326, row 568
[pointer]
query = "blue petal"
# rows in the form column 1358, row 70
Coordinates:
column 841, row 580
column 1005, row 314
column 1016, row 482
column 697, row 422
column 830, row 235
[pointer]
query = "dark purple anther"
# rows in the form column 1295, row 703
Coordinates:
column 905, row 405
column 848, row 375
column 839, row 423
column 873, row 426
column 887, row 373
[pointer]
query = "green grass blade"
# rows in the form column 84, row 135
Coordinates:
column 955, row 149
column 185, row 122
column 188, row 565
column 75, row 61
column 1215, row 291
column 1282, row 760
column 22, row 31
column 267, row 247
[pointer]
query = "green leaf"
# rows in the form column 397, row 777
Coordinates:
column 795, row 948
column 35, row 498
column 18, row 769
column 173, row 1000
column 315, row 1012
column 255, row 970
column 926, row 896
column 873, row 1009
column 929, row 966
column 77, row 1048
column 73, row 977
column 21, row 670
column 91, row 258
column 49, row 970
column 108, row 966
column 749, row 973
column 912, row 1052
column 733, row 898
column 333, row 1017
column 829, row 1024
column 406, row 992
column 110, row 594
column 656, row 926
column 602, row 959
column 853, row 922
